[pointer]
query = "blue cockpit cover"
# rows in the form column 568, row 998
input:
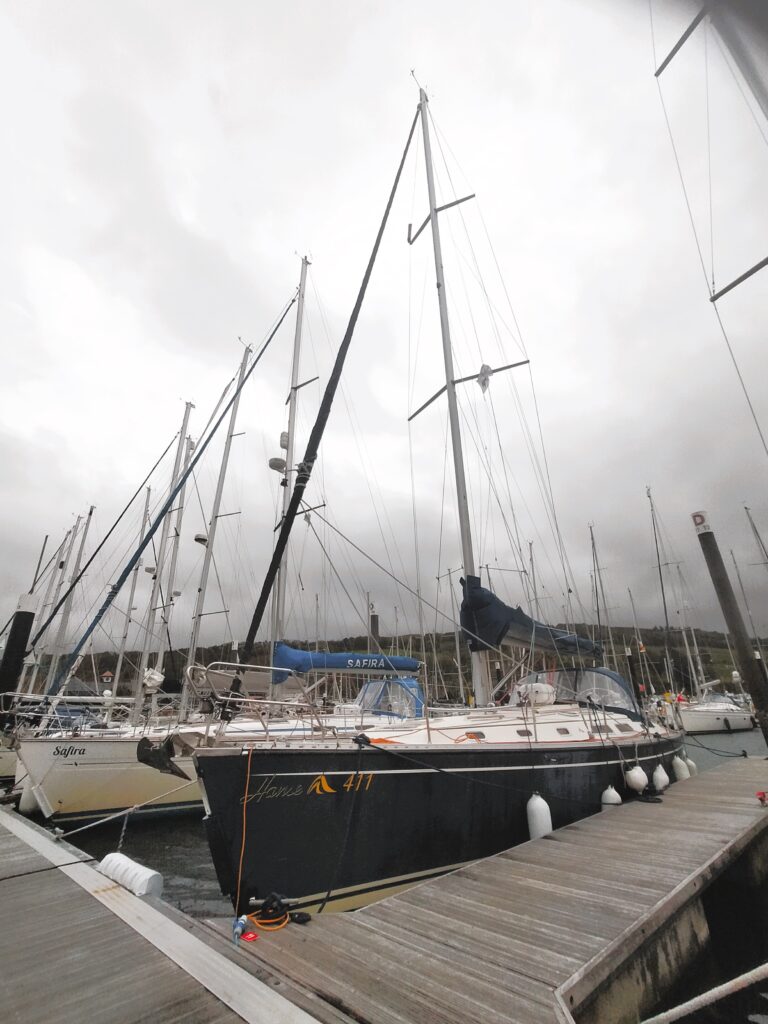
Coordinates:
column 486, row 621
column 287, row 660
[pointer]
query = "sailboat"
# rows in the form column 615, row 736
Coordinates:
column 336, row 823
column 107, row 767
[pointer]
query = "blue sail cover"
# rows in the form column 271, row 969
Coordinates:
column 289, row 660
column 486, row 620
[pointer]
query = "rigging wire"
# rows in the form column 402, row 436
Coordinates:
column 709, row 154
column 201, row 448
column 108, row 534
column 448, row 617
column 310, row 455
column 545, row 476
column 710, row 290
column 368, row 466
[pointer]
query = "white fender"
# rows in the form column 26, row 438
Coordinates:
column 539, row 817
column 691, row 766
column 660, row 778
column 609, row 799
column 680, row 769
column 636, row 779
column 139, row 880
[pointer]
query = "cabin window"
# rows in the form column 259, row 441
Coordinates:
column 563, row 730
column 524, row 732
column 601, row 727
column 623, row 727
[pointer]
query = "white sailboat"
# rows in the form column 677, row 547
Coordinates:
column 107, row 767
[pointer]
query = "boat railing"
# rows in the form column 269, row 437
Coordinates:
column 40, row 713
column 233, row 701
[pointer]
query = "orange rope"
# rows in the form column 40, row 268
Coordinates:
column 242, row 844
column 269, row 926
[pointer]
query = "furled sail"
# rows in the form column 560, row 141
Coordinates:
column 289, row 660
column 486, row 620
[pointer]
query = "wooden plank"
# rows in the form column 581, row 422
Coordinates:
column 554, row 864
column 481, row 928
column 549, row 863
column 74, row 956
column 451, row 992
column 249, row 998
column 317, row 966
column 674, row 848
column 450, row 947
column 217, row 932
column 535, row 899
column 568, row 888
column 585, row 911
column 18, row 859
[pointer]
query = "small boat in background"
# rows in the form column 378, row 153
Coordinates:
column 715, row 712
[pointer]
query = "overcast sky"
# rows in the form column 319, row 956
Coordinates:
column 165, row 165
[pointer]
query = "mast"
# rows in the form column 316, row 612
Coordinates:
column 533, row 580
column 599, row 583
column 456, row 639
column 36, row 577
column 278, row 621
column 479, row 677
column 166, row 606
column 155, row 595
column 749, row 611
column 644, row 676
column 684, row 620
column 57, row 572
column 595, row 589
column 758, row 539
column 65, row 612
column 132, row 594
column 696, row 652
column 203, row 585
column 667, row 658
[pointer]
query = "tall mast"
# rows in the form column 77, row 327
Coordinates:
column 67, row 609
column 537, row 610
column 749, row 611
column 684, row 620
column 758, row 539
column 56, row 648
column 278, row 620
column 200, row 601
column 72, row 535
column 599, row 584
column 155, row 595
column 696, row 652
column 131, row 596
column 26, row 663
column 56, row 572
column 645, row 676
column 667, row 658
column 479, row 679
column 456, row 638
column 167, row 600
column 595, row 588
column 36, row 577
